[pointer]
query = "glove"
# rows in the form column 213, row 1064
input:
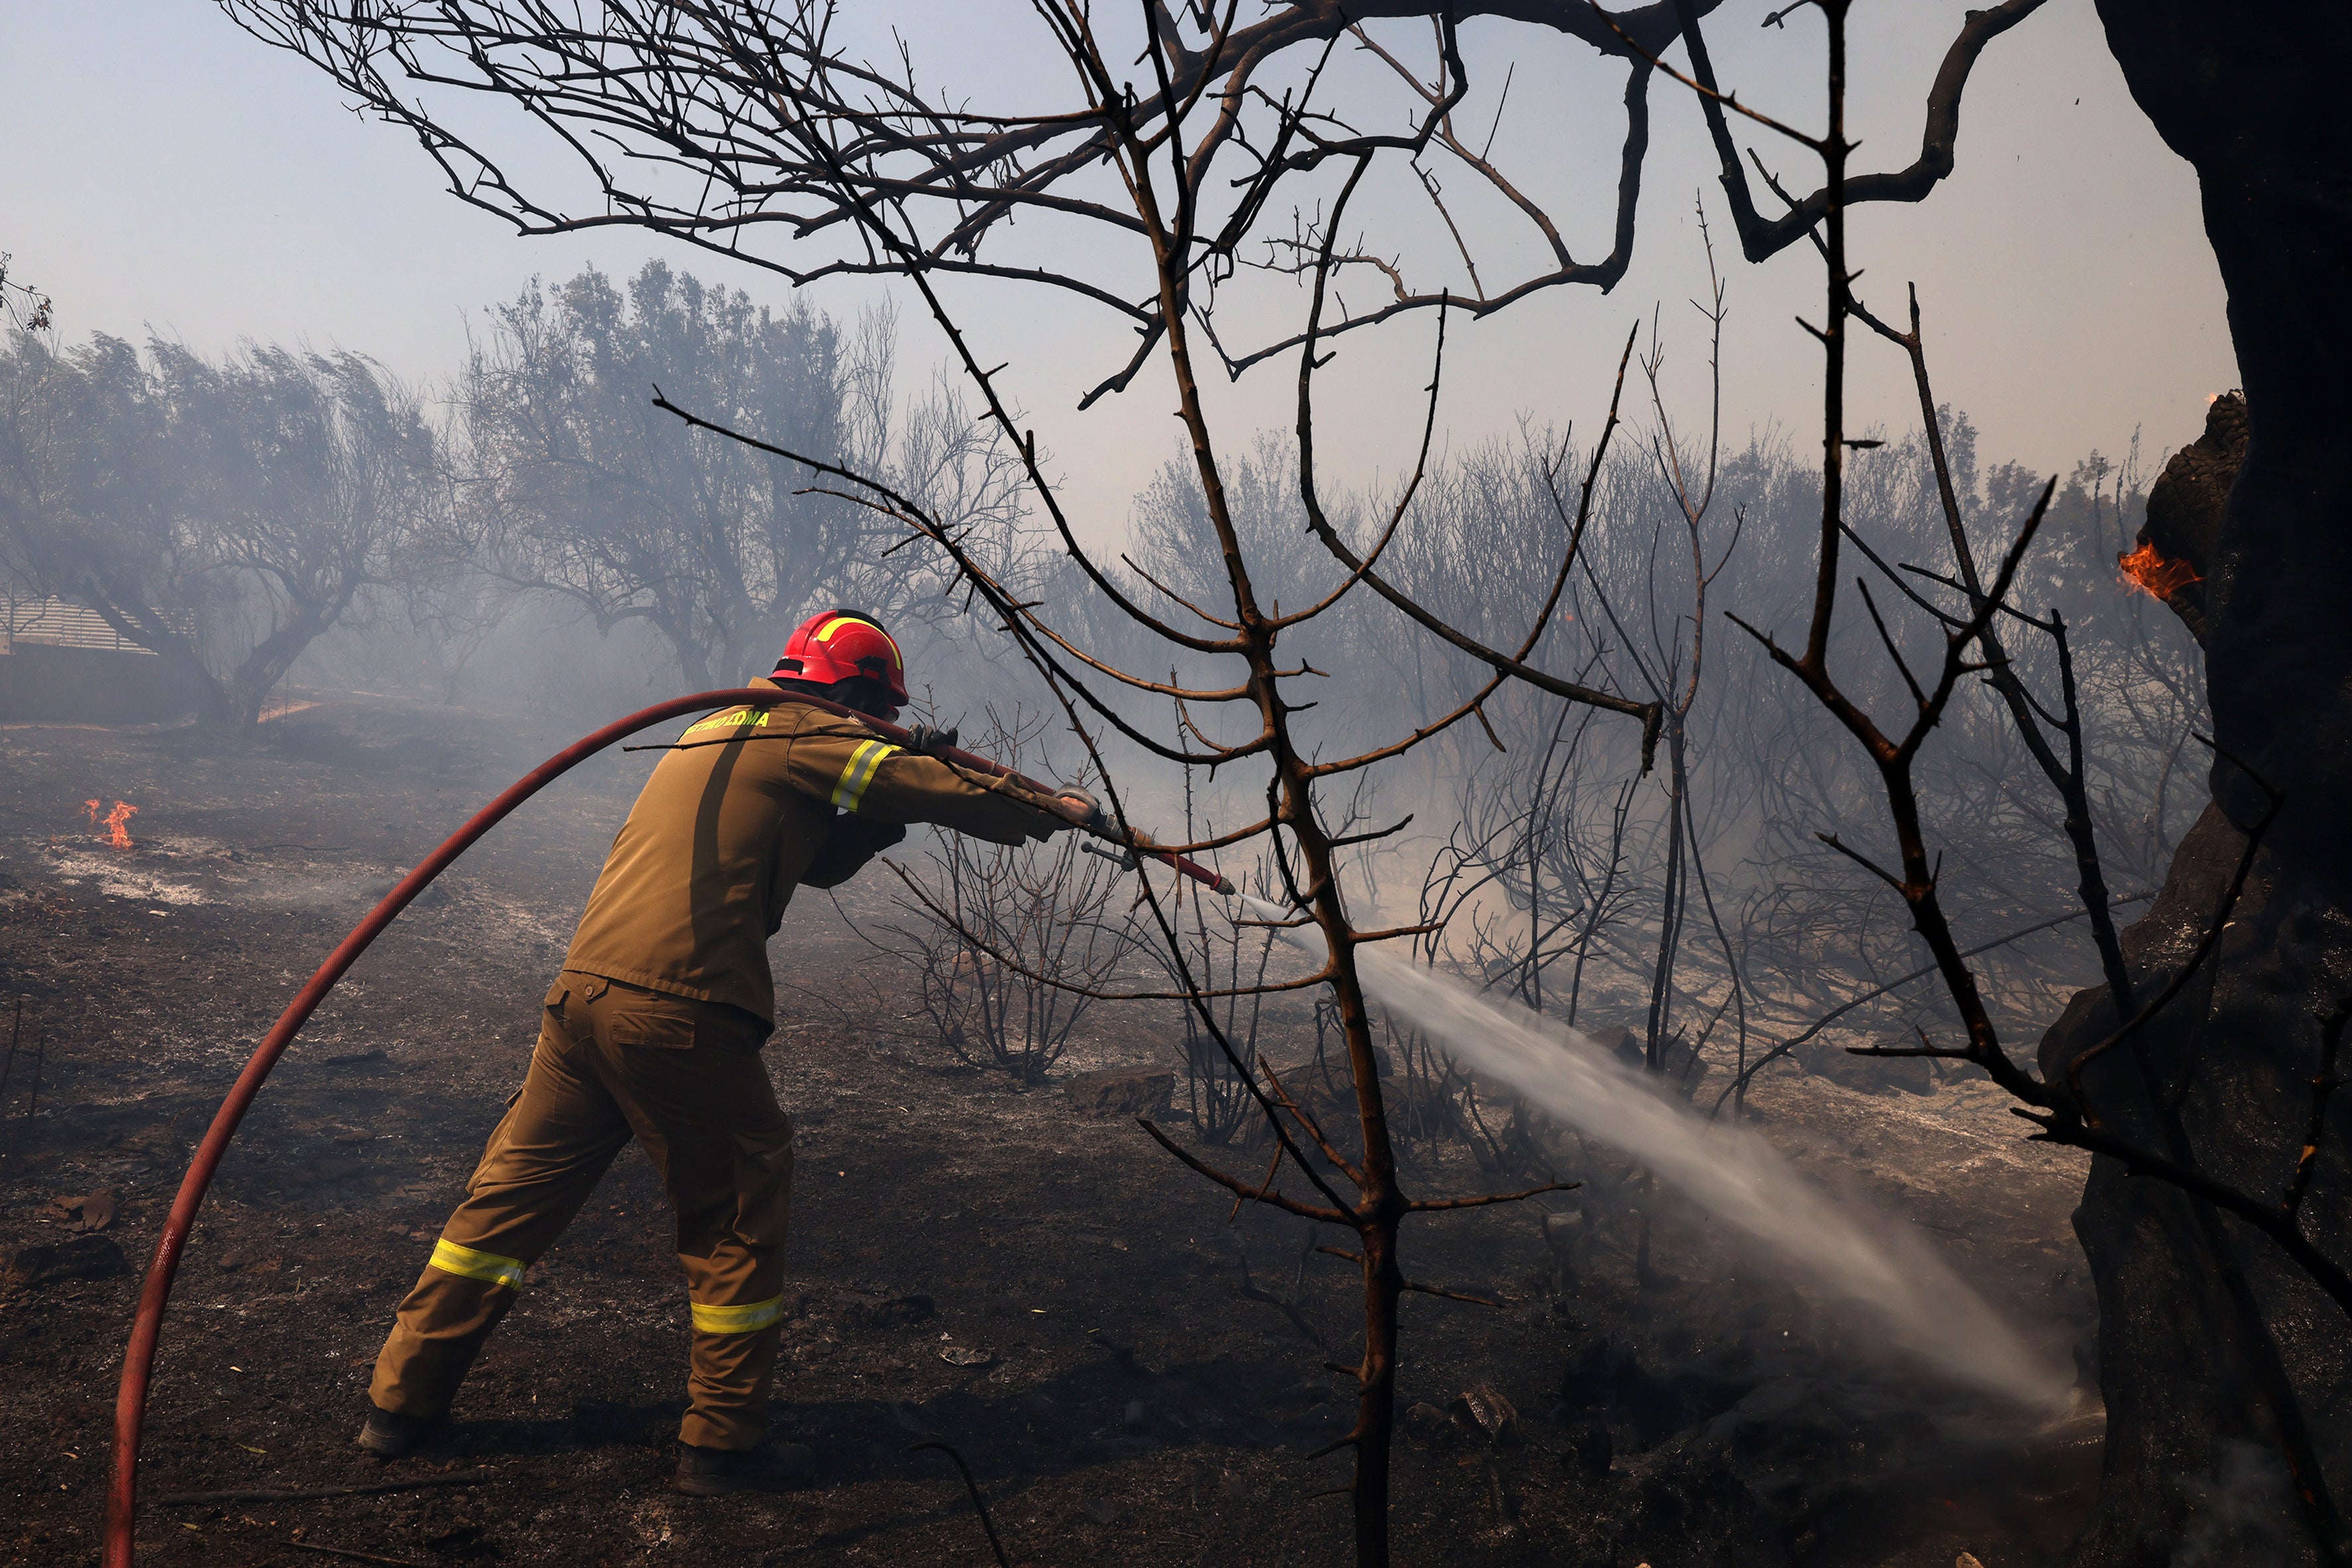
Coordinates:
column 1091, row 815
column 854, row 841
column 931, row 742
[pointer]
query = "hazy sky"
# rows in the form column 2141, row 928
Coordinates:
column 168, row 171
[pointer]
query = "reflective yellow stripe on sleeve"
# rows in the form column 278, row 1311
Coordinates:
column 737, row 1320
column 468, row 1264
column 859, row 773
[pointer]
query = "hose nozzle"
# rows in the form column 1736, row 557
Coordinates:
column 1127, row 858
column 1131, row 857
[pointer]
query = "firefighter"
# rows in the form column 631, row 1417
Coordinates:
column 654, row 1028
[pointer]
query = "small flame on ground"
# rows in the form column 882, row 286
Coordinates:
column 2153, row 574
column 116, row 822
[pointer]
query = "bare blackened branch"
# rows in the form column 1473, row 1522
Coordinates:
column 1760, row 238
column 1486, row 1200
column 2325, row 1082
column 1239, row 1188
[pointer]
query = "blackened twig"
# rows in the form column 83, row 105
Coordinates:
column 1427, row 1205
column 1240, row 1188
column 978, row 1503
column 1271, row 1166
column 2325, row 1082
column 370, row 1489
column 1419, row 1289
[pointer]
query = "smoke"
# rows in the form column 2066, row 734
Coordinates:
column 1918, row 1301
column 2241, row 1513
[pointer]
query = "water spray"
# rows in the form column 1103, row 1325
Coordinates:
column 1874, row 1261
column 155, row 1291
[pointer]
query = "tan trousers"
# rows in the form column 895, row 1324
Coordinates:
column 684, row 1079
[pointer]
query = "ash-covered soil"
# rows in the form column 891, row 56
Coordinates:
column 1150, row 1381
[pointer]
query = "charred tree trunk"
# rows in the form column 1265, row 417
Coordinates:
column 249, row 686
column 2252, row 97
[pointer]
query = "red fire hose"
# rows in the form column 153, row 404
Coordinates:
column 147, row 1326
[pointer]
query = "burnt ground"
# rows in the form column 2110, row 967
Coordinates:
column 1137, row 1405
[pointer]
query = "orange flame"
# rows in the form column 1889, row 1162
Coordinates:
column 2153, row 574
column 116, row 823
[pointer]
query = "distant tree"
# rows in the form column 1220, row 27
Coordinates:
column 221, row 514
column 579, row 488
column 91, row 506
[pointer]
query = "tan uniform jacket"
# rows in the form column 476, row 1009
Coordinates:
column 700, row 873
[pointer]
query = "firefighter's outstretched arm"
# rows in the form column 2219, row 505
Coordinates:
column 876, row 782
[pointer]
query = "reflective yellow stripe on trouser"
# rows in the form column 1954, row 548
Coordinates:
column 855, row 777
column 468, row 1264
column 737, row 1320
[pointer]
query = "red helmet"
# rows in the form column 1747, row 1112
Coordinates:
column 840, row 643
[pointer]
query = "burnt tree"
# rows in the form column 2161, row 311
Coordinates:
column 2248, row 95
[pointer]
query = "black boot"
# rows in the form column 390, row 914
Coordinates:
column 717, row 1472
column 389, row 1434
